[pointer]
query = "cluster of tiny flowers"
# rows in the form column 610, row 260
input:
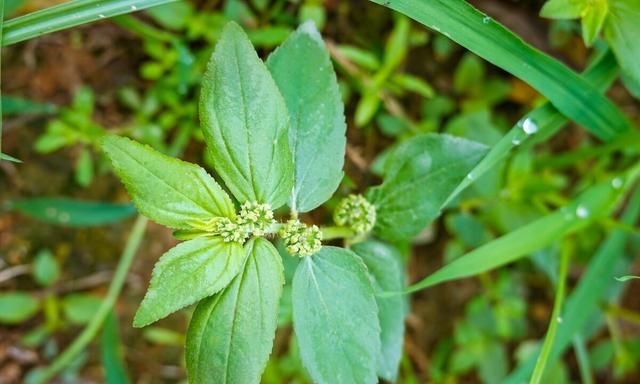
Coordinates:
column 355, row 212
column 255, row 218
column 300, row 239
column 229, row 230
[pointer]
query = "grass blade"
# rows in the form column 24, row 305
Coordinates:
column 567, row 91
column 555, row 316
column 595, row 203
column 601, row 73
column 69, row 14
column 597, row 285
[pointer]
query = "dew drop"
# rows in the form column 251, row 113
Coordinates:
column 486, row 20
column 101, row 16
column 582, row 212
column 617, row 183
column 559, row 320
column 529, row 126
column 64, row 217
column 51, row 212
column 133, row 7
column 516, row 141
column 470, row 176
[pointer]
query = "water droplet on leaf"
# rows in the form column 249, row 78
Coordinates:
column 582, row 212
column 529, row 126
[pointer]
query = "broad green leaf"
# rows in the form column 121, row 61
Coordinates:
column 593, row 18
column 563, row 9
column 387, row 275
column 45, row 268
column 621, row 31
column 111, row 348
column 170, row 191
column 79, row 308
column 16, row 307
column 187, row 273
column 73, row 213
column 593, row 204
column 231, row 333
column 302, row 69
column 596, row 286
column 245, row 122
column 419, row 176
column 568, row 92
column 335, row 318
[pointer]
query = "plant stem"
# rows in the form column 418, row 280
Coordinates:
column 583, row 359
column 555, row 316
column 94, row 325
column 329, row 233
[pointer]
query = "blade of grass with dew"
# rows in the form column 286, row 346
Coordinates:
column 598, row 284
column 69, row 14
column 549, row 339
column 601, row 73
column 568, row 92
column 44, row 375
column 595, row 203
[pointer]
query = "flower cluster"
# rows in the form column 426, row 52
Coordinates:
column 300, row 239
column 229, row 230
column 357, row 213
column 255, row 218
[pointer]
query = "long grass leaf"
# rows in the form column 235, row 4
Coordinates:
column 69, row 14
column 593, row 204
column 567, row 91
column 548, row 120
column 598, row 284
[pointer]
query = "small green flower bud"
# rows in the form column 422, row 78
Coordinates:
column 255, row 218
column 357, row 213
column 300, row 239
column 229, row 231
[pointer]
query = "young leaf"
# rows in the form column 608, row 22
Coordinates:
column 335, row 318
column 245, row 122
column 562, row 9
column 16, row 307
column 387, row 275
column 419, row 176
column 593, row 18
column 302, row 69
column 231, row 333
column 188, row 273
column 170, row 191
column 621, row 31
column 73, row 213
column 45, row 268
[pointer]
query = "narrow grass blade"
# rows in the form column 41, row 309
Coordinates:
column 73, row 213
column 597, row 285
column 555, row 316
column 567, row 91
column 115, row 370
column 548, row 120
column 69, row 14
column 595, row 203
column 2, row 156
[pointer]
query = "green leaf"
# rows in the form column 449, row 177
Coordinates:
column 593, row 204
column 188, row 273
column 245, row 122
column 170, row 191
column 79, row 308
column 621, row 31
column 568, row 92
column 13, row 105
column 73, row 213
column 387, row 275
column 593, row 18
column 419, row 176
column 562, row 9
column 84, row 168
column 16, row 307
column 231, row 333
column 111, row 353
column 69, row 14
column 45, row 268
column 4, row 156
column 316, row 113
column 335, row 318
